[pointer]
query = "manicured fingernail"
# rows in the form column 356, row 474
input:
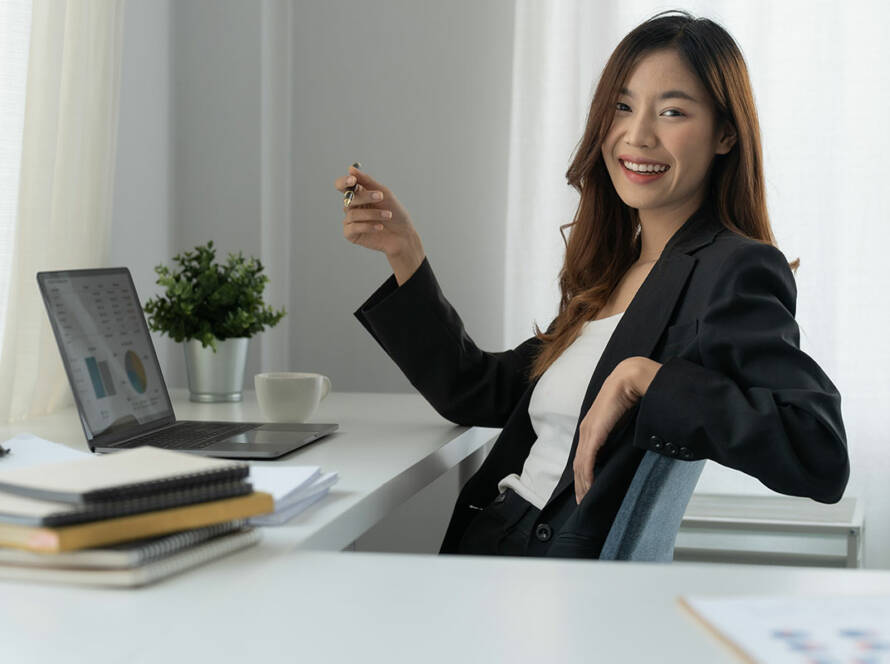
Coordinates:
column 350, row 180
column 376, row 195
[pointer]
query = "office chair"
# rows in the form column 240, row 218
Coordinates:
column 645, row 528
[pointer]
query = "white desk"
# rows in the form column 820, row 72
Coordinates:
column 278, row 602
column 388, row 447
column 274, row 606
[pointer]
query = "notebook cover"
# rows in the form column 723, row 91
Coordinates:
column 34, row 512
column 127, row 554
column 119, row 475
column 122, row 529
column 138, row 576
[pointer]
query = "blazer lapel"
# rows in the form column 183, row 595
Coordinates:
column 646, row 317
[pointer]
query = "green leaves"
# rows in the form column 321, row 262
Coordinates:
column 211, row 302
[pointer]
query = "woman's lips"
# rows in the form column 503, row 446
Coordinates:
column 639, row 178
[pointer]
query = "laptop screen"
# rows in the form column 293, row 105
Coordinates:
column 107, row 351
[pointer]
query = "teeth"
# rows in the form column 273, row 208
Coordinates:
column 644, row 168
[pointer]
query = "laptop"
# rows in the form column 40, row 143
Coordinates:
column 114, row 374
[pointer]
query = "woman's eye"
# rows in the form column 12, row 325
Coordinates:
column 670, row 110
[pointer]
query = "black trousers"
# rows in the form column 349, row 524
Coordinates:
column 502, row 528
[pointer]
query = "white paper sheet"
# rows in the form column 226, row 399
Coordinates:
column 811, row 630
column 280, row 517
column 282, row 481
column 28, row 450
column 321, row 483
column 296, row 502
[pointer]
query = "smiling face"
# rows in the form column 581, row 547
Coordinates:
column 654, row 122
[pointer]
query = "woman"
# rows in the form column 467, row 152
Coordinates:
column 672, row 288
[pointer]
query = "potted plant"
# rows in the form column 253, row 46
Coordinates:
column 213, row 309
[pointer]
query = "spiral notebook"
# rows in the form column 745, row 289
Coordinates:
column 142, row 575
column 134, row 553
column 125, row 475
column 114, row 530
column 33, row 512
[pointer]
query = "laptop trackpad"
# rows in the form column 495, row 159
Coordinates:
column 275, row 435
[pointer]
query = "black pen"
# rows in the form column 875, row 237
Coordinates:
column 350, row 191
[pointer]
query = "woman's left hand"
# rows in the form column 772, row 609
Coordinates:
column 622, row 389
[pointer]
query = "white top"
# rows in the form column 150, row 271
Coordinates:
column 554, row 409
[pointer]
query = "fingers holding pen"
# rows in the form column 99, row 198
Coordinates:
column 350, row 191
column 375, row 219
column 361, row 195
column 366, row 189
column 362, row 213
column 366, row 197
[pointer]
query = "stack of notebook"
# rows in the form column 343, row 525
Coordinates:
column 127, row 518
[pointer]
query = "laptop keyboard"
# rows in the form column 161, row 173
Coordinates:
column 188, row 435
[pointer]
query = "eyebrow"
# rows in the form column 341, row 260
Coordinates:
column 670, row 94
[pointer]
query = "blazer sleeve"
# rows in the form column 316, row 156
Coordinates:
column 756, row 403
column 423, row 334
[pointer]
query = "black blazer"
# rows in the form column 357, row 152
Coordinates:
column 717, row 309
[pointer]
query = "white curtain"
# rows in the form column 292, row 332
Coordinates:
column 818, row 70
column 15, row 32
column 66, row 179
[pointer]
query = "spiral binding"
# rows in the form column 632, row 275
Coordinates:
column 136, row 489
column 202, row 554
column 150, row 503
column 157, row 548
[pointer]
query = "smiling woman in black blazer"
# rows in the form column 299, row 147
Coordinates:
column 704, row 360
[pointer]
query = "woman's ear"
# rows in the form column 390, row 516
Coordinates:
column 727, row 139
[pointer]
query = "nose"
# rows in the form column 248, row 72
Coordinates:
column 639, row 131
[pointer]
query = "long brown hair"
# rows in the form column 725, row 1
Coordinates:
column 605, row 238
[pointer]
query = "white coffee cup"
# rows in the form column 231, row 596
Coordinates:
column 290, row 396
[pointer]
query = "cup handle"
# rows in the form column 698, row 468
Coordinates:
column 327, row 387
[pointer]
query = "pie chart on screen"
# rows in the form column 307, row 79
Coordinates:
column 135, row 371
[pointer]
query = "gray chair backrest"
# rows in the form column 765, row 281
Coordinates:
column 647, row 522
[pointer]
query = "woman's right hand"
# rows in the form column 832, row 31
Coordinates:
column 396, row 236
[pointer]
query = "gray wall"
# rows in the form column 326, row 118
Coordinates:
column 216, row 133
column 418, row 92
column 141, row 228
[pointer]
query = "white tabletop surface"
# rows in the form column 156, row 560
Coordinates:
column 280, row 602
column 370, row 607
